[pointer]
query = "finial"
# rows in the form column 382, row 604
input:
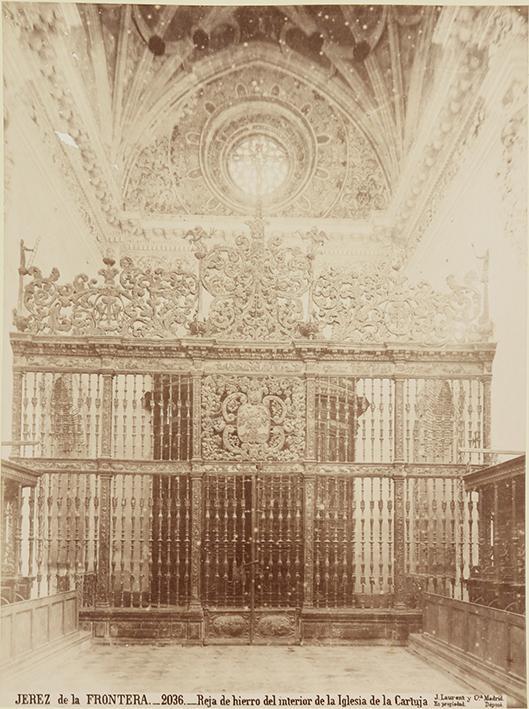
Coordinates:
column 196, row 238
column 316, row 239
column 22, row 271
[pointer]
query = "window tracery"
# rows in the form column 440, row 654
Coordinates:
column 258, row 165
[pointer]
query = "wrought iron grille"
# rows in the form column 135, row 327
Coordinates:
column 353, row 541
column 442, row 417
column 354, row 419
column 62, row 413
column 149, row 555
column 152, row 416
column 58, row 534
column 252, row 541
column 441, row 533
column 150, row 540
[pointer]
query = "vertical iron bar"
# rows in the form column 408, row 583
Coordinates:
column 194, row 520
column 310, row 543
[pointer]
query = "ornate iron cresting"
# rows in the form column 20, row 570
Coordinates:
column 383, row 306
column 254, row 290
column 257, row 288
column 140, row 303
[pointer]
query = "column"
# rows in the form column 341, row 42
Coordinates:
column 399, row 498
column 398, row 427
column 309, row 488
column 16, row 411
column 196, row 540
column 310, row 432
column 196, row 413
column 487, row 422
column 105, row 501
column 399, row 537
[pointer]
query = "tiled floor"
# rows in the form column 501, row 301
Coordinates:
column 235, row 669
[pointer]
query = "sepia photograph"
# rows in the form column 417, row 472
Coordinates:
column 264, row 355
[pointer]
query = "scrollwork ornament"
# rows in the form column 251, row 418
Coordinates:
column 256, row 287
column 250, row 418
column 254, row 290
column 130, row 302
column 382, row 306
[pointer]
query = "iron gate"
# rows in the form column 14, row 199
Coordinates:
column 252, row 558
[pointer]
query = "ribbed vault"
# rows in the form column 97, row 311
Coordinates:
column 371, row 105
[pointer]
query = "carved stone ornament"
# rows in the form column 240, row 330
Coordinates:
column 331, row 168
column 253, row 418
column 276, row 626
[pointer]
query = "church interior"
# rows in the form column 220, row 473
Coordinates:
column 264, row 346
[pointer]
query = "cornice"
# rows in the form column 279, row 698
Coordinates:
column 114, row 466
column 25, row 474
column 501, row 472
column 499, row 54
column 201, row 348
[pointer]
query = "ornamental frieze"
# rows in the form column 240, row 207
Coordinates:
column 253, row 418
column 250, row 366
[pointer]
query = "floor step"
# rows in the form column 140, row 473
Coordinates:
column 68, row 645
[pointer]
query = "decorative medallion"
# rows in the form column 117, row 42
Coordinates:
column 314, row 160
column 253, row 418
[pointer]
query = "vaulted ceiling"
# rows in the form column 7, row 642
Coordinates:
column 142, row 107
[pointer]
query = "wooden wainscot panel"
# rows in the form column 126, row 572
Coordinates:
column 56, row 619
column 443, row 621
column 22, row 630
column 457, row 631
column 431, row 612
column 497, row 641
column 7, row 638
column 486, row 645
column 41, row 625
column 476, row 630
column 30, row 625
column 70, row 615
column 517, row 649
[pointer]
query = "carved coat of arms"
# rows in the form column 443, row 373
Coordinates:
column 253, row 418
